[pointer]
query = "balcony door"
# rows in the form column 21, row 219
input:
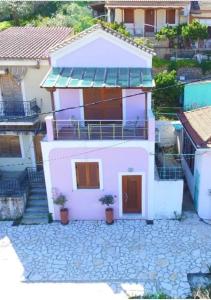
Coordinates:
column 108, row 110
column 149, row 20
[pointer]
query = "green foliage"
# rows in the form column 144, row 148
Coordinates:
column 166, row 97
column 205, row 66
column 115, row 26
column 182, row 63
column 60, row 200
column 16, row 10
column 166, row 33
column 195, row 31
column 107, row 200
column 5, row 24
column 143, row 42
column 158, row 62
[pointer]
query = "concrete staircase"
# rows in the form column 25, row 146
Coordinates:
column 36, row 211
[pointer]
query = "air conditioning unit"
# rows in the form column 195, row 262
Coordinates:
column 157, row 135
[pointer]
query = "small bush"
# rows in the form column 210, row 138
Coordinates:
column 158, row 62
column 183, row 63
column 5, row 24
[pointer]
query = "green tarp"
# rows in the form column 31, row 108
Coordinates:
column 98, row 77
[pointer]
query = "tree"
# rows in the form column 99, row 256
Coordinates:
column 15, row 10
column 167, row 92
column 167, row 33
column 195, row 32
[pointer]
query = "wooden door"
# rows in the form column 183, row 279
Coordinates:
column 132, row 193
column 37, row 148
column 149, row 20
column 110, row 110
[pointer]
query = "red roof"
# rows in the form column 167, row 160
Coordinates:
column 198, row 125
column 30, row 42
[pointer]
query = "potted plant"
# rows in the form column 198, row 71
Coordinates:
column 109, row 212
column 60, row 200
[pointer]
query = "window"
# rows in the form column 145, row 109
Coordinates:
column 129, row 15
column 189, row 152
column 170, row 16
column 10, row 146
column 87, row 175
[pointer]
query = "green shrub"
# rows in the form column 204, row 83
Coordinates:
column 5, row 24
column 158, row 62
column 183, row 63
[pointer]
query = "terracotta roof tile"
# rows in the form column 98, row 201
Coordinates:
column 30, row 42
column 106, row 29
column 145, row 3
column 198, row 125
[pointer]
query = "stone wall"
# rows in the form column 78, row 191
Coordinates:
column 12, row 208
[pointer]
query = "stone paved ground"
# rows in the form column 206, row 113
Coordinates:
column 129, row 253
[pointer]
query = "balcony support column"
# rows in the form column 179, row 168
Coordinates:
column 50, row 128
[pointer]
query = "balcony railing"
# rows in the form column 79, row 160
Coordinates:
column 13, row 186
column 12, row 109
column 100, row 129
column 170, row 173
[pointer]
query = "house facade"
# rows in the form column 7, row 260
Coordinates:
column 145, row 18
column 101, row 139
column 195, row 148
column 23, row 63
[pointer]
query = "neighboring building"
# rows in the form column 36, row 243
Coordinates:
column 197, row 94
column 145, row 18
column 196, row 149
column 106, row 148
column 98, row 9
column 201, row 11
column 23, row 63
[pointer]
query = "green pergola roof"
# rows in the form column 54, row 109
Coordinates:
column 98, row 77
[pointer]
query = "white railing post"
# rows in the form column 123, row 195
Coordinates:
column 78, row 127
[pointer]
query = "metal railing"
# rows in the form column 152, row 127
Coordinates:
column 35, row 175
column 100, row 129
column 170, row 173
column 10, row 187
column 11, row 109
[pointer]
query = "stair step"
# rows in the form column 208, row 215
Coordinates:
column 35, row 197
column 38, row 189
column 37, row 184
column 31, row 215
column 37, row 204
column 36, row 209
column 34, row 221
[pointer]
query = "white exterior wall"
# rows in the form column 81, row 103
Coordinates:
column 27, row 152
column 168, row 197
column 161, row 18
column 166, row 133
column 31, row 88
column 139, row 21
column 118, row 15
column 203, row 163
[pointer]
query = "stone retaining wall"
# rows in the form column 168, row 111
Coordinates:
column 12, row 208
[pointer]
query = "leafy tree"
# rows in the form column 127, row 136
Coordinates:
column 195, row 32
column 16, row 10
column 167, row 33
column 167, row 92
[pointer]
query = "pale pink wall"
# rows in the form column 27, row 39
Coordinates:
column 69, row 98
column 134, row 106
column 84, row 204
column 100, row 53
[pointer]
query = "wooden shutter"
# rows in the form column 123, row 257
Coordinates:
column 93, row 175
column 87, row 175
column 10, row 146
column 170, row 16
column 128, row 15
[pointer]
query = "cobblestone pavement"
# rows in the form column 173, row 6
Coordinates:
column 130, row 253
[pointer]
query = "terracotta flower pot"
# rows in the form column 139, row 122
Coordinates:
column 109, row 212
column 64, row 216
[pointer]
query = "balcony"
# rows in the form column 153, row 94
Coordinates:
column 18, row 110
column 100, row 129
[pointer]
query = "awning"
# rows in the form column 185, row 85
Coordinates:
column 98, row 77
